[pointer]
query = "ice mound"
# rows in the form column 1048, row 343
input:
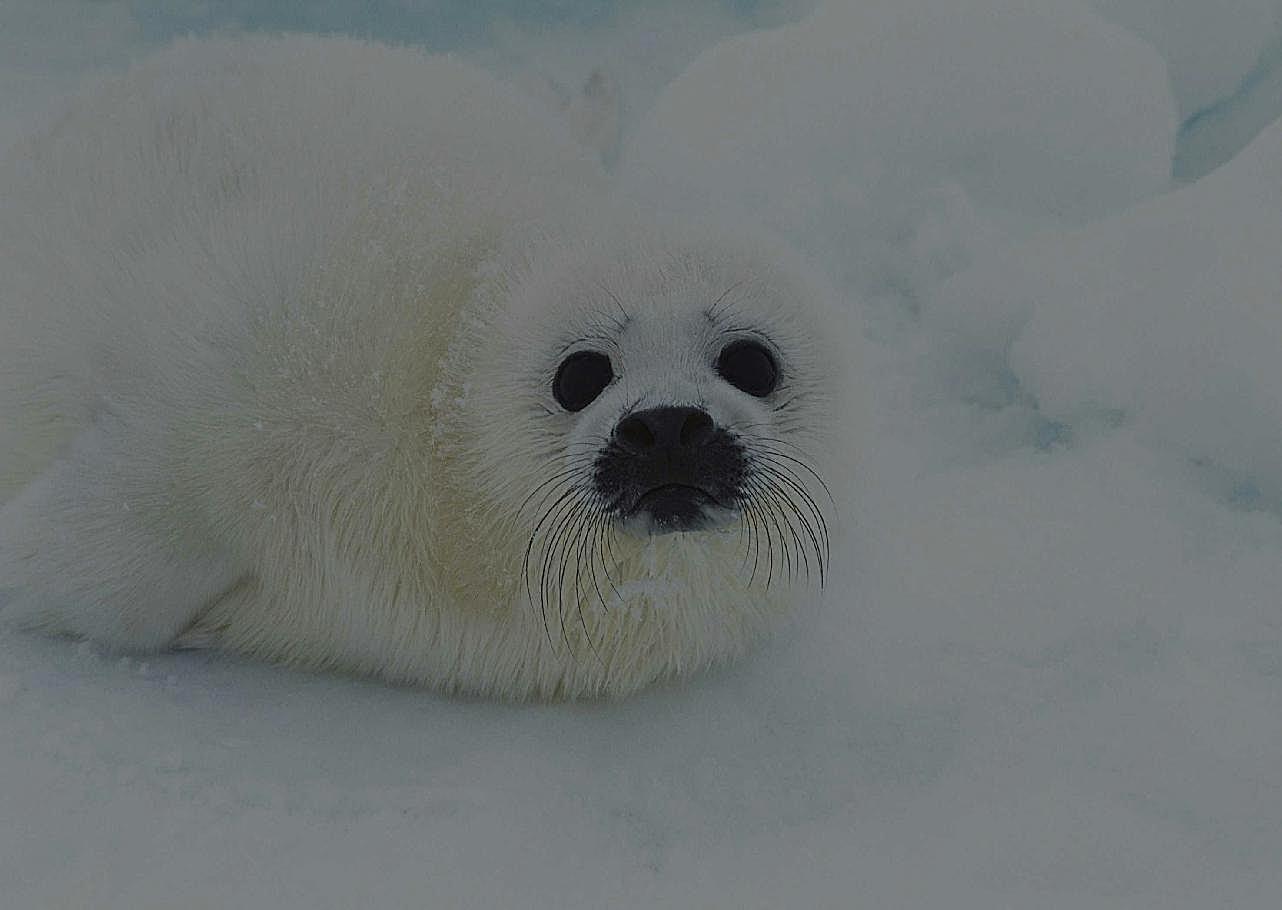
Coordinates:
column 1225, row 64
column 1168, row 315
column 857, row 126
column 1208, row 47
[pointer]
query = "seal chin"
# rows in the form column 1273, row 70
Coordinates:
column 674, row 507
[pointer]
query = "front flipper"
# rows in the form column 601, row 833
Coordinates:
column 101, row 547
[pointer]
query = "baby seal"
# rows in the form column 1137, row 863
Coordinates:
column 339, row 355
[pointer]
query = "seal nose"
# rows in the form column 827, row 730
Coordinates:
column 664, row 428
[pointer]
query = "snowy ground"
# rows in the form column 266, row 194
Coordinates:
column 1051, row 673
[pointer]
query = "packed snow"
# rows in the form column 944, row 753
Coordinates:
column 833, row 130
column 1166, row 317
column 1049, row 673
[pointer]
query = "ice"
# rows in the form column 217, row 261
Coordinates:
column 1049, row 671
column 1214, row 134
column 1167, row 317
column 1225, row 63
column 854, row 126
column 1209, row 47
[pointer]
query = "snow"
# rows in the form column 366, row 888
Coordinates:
column 1214, row 134
column 1167, row 316
column 911, row 105
column 1050, row 672
column 1225, row 65
column 1209, row 47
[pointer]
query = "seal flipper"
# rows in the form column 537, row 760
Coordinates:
column 89, row 549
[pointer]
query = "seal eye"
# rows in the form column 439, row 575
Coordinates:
column 749, row 367
column 581, row 378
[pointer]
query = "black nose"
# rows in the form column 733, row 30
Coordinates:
column 669, row 428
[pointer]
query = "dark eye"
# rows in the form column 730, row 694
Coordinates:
column 749, row 367
column 581, row 378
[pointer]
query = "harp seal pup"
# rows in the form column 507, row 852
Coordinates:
column 338, row 355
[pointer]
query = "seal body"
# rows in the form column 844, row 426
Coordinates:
column 295, row 337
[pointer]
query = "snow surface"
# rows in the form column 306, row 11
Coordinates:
column 832, row 129
column 1210, row 47
column 1050, row 673
column 1167, row 316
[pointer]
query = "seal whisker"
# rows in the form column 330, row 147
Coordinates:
column 554, row 566
column 571, row 538
column 713, row 311
column 549, row 539
column 603, row 532
column 585, row 537
column 763, row 528
column 777, row 520
column 525, row 563
column 753, row 510
column 782, row 503
column 784, row 474
column 762, row 446
column 617, row 302
column 760, row 529
column 768, row 454
column 808, row 510
column 816, row 531
column 559, row 476
column 745, row 533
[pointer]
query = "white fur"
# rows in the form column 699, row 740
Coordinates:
column 278, row 325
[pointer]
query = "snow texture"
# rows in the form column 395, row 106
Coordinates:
column 1167, row 316
column 837, row 127
column 1225, row 65
column 1050, row 672
column 1209, row 47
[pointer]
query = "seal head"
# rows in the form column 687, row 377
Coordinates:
column 663, row 443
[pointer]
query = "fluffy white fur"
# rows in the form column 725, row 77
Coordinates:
column 278, row 325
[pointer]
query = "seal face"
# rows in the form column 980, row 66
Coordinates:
column 677, row 407
column 397, row 388
column 672, row 465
